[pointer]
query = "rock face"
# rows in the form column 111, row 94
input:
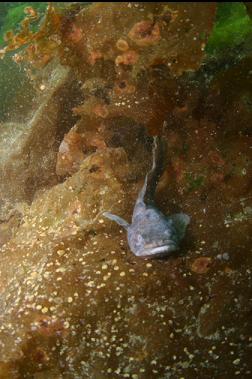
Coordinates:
column 28, row 151
column 17, row 93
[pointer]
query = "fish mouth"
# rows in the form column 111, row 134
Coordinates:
column 158, row 251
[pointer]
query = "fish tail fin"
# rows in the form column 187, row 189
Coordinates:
column 151, row 180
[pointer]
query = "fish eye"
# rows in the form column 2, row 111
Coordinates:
column 139, row 239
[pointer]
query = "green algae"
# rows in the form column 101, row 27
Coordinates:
column 232, row 29
column 194, row 181
column 15, row 14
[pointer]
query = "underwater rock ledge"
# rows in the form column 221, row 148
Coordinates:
column 76, row 303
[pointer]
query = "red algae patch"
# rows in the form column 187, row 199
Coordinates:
column 101, row 110
column 123, row 87
column 145, row 33
column 201, row 265
column 128, row 58
column 75, row 34
column 94, row 56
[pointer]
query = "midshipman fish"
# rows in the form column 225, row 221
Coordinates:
column 151, row 233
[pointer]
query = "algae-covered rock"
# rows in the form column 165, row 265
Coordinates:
column 9, row 226
column 173, row 33
column 75, row 146
column 129, row 59
column 76, row 303
column 65, row 217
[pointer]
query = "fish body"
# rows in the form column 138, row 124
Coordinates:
column 151, row 233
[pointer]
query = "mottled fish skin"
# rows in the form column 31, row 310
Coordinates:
column 151, row 233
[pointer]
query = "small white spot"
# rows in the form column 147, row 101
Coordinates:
column 236, row 361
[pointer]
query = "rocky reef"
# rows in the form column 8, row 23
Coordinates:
column 74, row 301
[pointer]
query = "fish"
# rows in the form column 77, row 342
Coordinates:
column 151, row 234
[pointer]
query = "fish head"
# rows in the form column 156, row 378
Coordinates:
column 152, row 235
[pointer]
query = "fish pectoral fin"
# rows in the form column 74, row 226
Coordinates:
column 181, row 221
column 120, row 221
